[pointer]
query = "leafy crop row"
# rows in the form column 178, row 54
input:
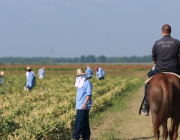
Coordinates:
column 48, row 111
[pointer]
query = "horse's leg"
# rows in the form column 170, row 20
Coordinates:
column 156, row 130
column 176, row 126
column 173, row 132
column 175, row 136
column 165, row 130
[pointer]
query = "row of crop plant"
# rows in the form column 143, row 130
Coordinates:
column 48, row 111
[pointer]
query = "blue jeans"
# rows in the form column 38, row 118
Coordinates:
column 101, row 78
column 82, row 124
column 29, row 88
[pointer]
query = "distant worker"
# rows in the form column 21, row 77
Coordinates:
column 1, row 76
column 41, row 73
column 30, row 79
column 89, row 73
column 100, row 73
column 27, row 72
column 83, row 105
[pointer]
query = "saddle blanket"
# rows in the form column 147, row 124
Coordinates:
column 147, row 81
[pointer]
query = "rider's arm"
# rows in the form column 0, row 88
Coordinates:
column 179, row 54
column 154, row 54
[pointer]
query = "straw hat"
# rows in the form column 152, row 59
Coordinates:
column 28, row 68
column 80, row 72
column 88, row 67
column 2, row 73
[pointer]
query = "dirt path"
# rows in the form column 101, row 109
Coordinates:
column 134, row 126
column 127, row 124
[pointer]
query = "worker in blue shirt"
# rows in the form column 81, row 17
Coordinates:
column 89, row 73
column 1, row 77
column 30, row 80
column 83, row 105
column 41, row 73
column 100, row 73
column 27, row 73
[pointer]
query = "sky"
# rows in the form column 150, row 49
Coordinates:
column 71, row 28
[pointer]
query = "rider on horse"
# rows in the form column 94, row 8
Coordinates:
column 165, row 54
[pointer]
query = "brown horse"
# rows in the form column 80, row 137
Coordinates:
column 164, row 101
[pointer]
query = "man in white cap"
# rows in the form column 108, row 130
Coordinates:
column 89, row 73
column 1, row 76
column 83, row 105
column 41, row 73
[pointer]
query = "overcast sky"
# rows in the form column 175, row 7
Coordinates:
column 71, row 28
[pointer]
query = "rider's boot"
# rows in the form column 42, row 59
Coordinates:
column 145, row 108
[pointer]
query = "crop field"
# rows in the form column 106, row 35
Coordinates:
column 48, row 111
column 65, row 67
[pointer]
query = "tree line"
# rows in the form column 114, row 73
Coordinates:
column 82, row 59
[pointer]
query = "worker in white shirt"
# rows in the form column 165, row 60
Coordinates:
column 41, row 73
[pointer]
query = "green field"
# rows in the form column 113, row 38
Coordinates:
column 48, row 112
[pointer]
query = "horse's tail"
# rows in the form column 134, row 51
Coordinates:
column 166, row 105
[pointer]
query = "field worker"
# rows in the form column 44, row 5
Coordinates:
column 165, row 54
column 89, row 73
column 83, row 105
column 41, row 73
column 30, row 80
column 27, row 73
column 100, row 73
column 1, row 76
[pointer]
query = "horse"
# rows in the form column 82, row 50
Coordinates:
column 163, row 95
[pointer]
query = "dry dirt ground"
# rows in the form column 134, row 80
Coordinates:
column 126, row 124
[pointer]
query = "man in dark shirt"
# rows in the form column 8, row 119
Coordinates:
column 165, row 55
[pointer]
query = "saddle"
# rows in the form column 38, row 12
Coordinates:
column 147, row 81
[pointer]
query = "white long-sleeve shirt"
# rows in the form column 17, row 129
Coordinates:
column 41, row 73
